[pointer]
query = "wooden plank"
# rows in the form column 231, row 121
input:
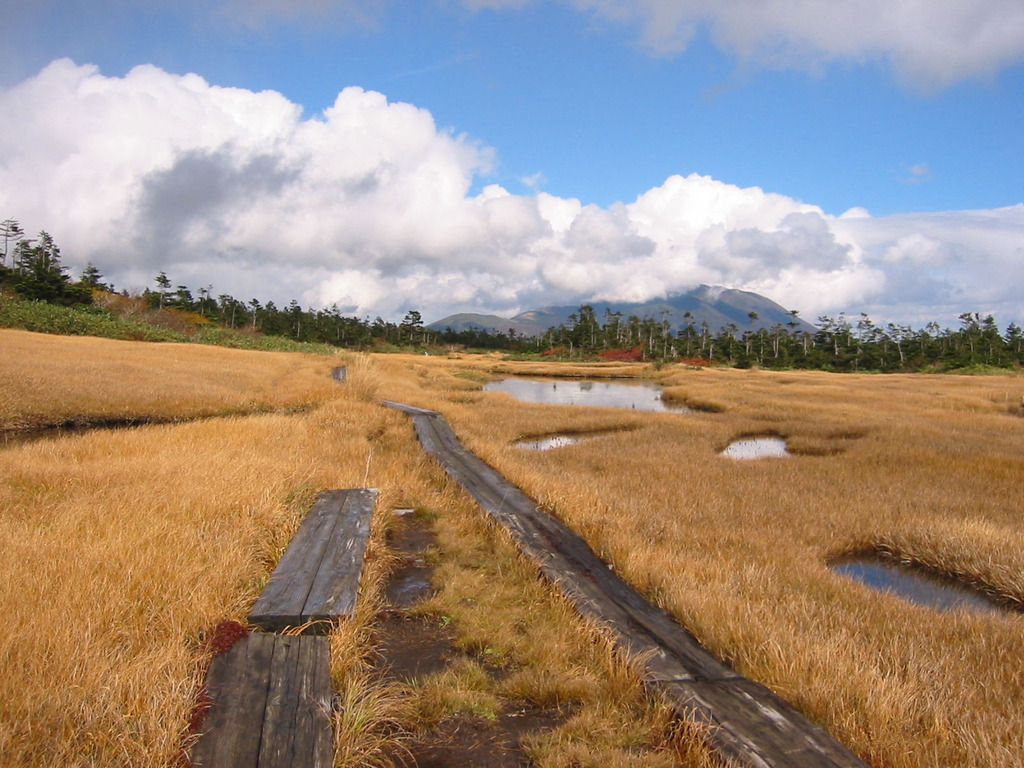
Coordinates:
column 317, row 578
column 271, row 704
column 567, row 560
column 282, row 601
column 297, row 727
column 312, row 724
column 237, row 685
column 335, row 586
column 748, row 723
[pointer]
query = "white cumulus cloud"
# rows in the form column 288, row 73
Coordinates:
column 371, row 206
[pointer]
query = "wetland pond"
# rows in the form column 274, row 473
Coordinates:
column 636, row 395
column 746, row 448
column 548, row 443
column 916, row 585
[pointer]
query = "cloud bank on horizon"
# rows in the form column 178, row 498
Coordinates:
column 371, row 206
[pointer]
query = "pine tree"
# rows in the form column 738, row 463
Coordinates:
column 41, row 277
column 10, row 232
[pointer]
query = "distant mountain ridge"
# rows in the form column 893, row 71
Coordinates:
column 718, row 307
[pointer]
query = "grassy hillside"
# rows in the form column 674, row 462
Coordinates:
column 127, row 320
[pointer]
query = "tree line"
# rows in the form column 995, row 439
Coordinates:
column 838, row 343
column 32, row 268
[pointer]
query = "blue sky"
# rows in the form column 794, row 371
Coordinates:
column 599, row 102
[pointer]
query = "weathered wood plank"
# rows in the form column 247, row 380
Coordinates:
column 271, row 704
column 335, row 586
column 752, row 725
column 309, row 723
column 317, row 578
column 747, row 722
column 237, row 684
column 283, row 600
column 297, row 724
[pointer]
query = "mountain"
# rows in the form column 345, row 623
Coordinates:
column 469, row 321
column 718, row 307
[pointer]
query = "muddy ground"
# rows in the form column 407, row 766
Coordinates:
column 411, row 647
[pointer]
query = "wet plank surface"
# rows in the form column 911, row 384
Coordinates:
column 317, row 578
column 271, row 704
column 747, row 722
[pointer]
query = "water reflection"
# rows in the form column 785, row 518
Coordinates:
column 547, row 443
column 637, row 395
column 915, row 585
column 756, row 448
column 411, row 539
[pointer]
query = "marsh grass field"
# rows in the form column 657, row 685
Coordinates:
column 124, row 549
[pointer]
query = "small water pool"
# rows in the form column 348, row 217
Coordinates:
column 756, row 448
column 916, row 585
column 636, row 395
column 548, row 443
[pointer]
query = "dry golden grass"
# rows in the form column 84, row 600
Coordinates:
column 123, row 550
column 47, row 380
column 928, row 467
column 120, row 551
column 506, row 618
column 497, row 363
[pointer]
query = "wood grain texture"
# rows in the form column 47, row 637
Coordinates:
column 271, row 705
column 296, row 725
column 317, row 578
column 746, row 722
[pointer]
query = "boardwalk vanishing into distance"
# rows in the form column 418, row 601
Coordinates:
column 746, row 722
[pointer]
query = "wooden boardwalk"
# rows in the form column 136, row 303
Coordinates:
column 270, row 705
column 270, row 694
column 317, row 579
column 746, row 721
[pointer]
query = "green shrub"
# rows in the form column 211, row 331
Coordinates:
column 43, row 317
